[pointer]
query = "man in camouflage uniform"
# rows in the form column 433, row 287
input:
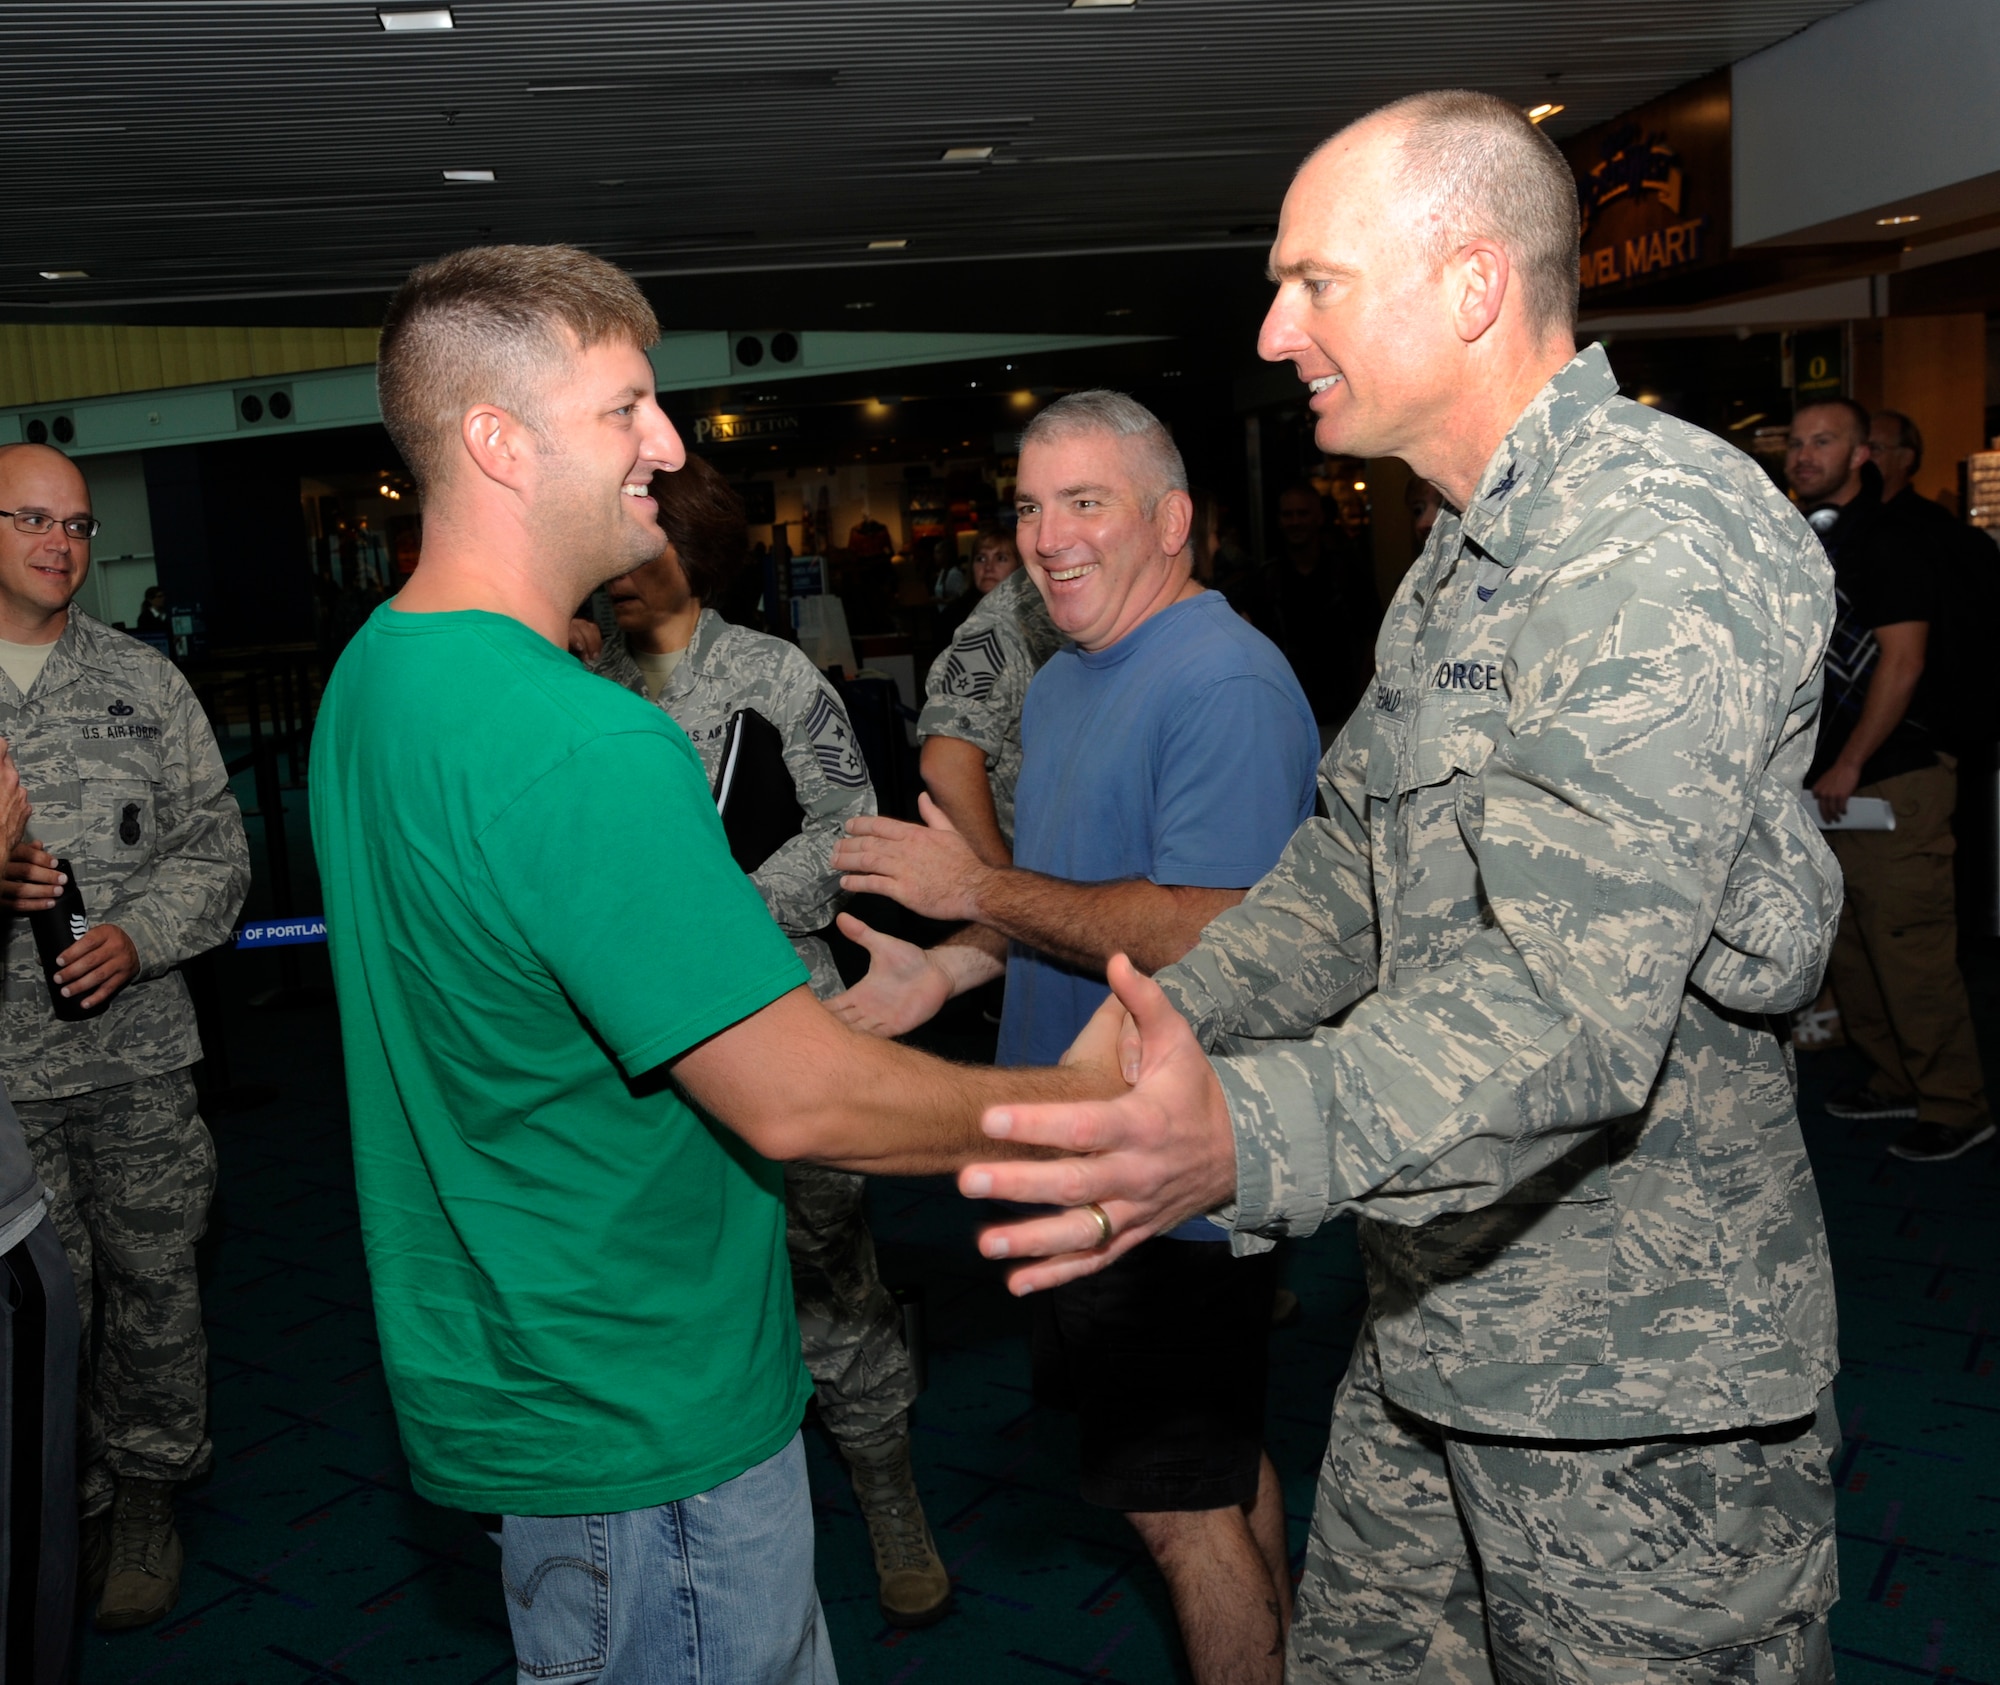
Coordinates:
column 850, row 1328
column 1511, row 1003
column 128, row 786
column 971, row 723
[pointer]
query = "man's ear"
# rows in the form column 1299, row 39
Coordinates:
column 1173, row 520
column 498, row 443
column 1477, row 281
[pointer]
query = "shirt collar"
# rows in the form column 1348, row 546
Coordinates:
column 1497, row 518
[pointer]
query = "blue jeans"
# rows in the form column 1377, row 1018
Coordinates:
column 716, row 1589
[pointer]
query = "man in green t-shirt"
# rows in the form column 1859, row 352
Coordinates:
column 574, row 1039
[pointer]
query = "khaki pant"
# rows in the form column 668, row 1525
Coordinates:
column 1894, row 966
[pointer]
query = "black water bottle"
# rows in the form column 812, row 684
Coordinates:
column 56, row 929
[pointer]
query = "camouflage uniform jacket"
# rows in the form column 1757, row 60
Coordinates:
column 976, row 687
column 1566, row 875
column 730, row 667
column 128, row 786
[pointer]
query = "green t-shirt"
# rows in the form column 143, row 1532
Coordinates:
column 581, row 1287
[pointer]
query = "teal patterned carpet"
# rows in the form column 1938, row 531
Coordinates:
column 310, row 1561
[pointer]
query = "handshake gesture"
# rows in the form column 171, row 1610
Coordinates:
column 1134, row 1167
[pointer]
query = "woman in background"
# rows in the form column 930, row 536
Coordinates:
column 701, row 670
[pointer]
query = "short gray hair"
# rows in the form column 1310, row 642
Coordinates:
column 1477, row 168
column 1907, row 436
column 1103, row 411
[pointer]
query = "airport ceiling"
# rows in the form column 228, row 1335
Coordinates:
column 286, row 160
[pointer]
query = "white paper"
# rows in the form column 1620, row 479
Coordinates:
column 1864, row 813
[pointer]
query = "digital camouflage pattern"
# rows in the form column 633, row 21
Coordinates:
column 1463, row 1560
column 976, row 688
column 730, row 667
column 850, row 1327
column 128, row 786
column 1567, row 877
column 851, row 1330
column 131, row 1170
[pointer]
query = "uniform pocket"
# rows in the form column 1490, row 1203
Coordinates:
column 556, row 1570
column 117, row 819
column 1517, row 1284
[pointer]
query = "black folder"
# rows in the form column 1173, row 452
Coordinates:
column 753, row 790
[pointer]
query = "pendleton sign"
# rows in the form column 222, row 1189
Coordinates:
column 741, row 429
column 1653, row 186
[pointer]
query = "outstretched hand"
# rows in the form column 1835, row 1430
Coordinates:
column 928, row 868
column 1155, row 1157
column 904, row 987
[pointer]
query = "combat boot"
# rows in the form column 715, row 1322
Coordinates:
column 915, row 1589
column 145, row 1577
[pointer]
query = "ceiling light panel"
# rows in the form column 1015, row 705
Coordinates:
column 967, row 154
column 468, row 175
column 409, row 19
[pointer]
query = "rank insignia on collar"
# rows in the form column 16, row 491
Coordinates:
column 1507, row 483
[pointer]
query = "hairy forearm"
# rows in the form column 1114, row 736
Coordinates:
column 1084, row 924
column 954, row 772
column 971, row 955
column 796, row 1083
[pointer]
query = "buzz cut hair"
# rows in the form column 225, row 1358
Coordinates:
column 1857, row 415
column 491, row 325
column 1471, row 167
column 1100, row 410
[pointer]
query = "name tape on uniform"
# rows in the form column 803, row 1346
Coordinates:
column 281, row 933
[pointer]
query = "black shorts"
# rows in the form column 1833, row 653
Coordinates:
column 1164, row 1358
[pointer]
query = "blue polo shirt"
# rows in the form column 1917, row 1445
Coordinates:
column 1182, row 754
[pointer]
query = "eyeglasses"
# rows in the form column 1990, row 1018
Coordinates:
column 35, row 523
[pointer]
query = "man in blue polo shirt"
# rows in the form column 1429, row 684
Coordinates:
column 1167, row 757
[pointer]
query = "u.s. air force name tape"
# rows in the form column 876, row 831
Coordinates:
column 281, row 933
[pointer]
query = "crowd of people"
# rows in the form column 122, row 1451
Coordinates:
column 1477, row 919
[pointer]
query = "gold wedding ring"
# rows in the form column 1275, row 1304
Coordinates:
column 1103, row 1224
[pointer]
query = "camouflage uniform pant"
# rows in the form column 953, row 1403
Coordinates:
column 132, row 1170
column 850, row 1328
column 1439, row 1558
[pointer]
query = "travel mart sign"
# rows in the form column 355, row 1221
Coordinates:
column 1643, row 167
column 1653, row 189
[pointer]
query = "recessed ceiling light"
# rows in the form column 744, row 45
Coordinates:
column 421, row 17
column 1089, row 5
column 1119, row 310
column 1897, row 221
column 1548, row 108
column 65, row 274
column 967, row 154
column 468, row 175
column 887, row 245
column 861, row 304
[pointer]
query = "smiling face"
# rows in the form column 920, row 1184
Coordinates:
column 603, row 436
column 1101, row 561
column 1359, row 312
column 40, row 574
column 1824, row 452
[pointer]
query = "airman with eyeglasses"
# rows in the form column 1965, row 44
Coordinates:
column 36, row 523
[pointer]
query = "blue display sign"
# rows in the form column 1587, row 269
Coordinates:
column 282, row 933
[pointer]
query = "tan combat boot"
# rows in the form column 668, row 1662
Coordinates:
column 916, row 1590
column 145, row 1577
